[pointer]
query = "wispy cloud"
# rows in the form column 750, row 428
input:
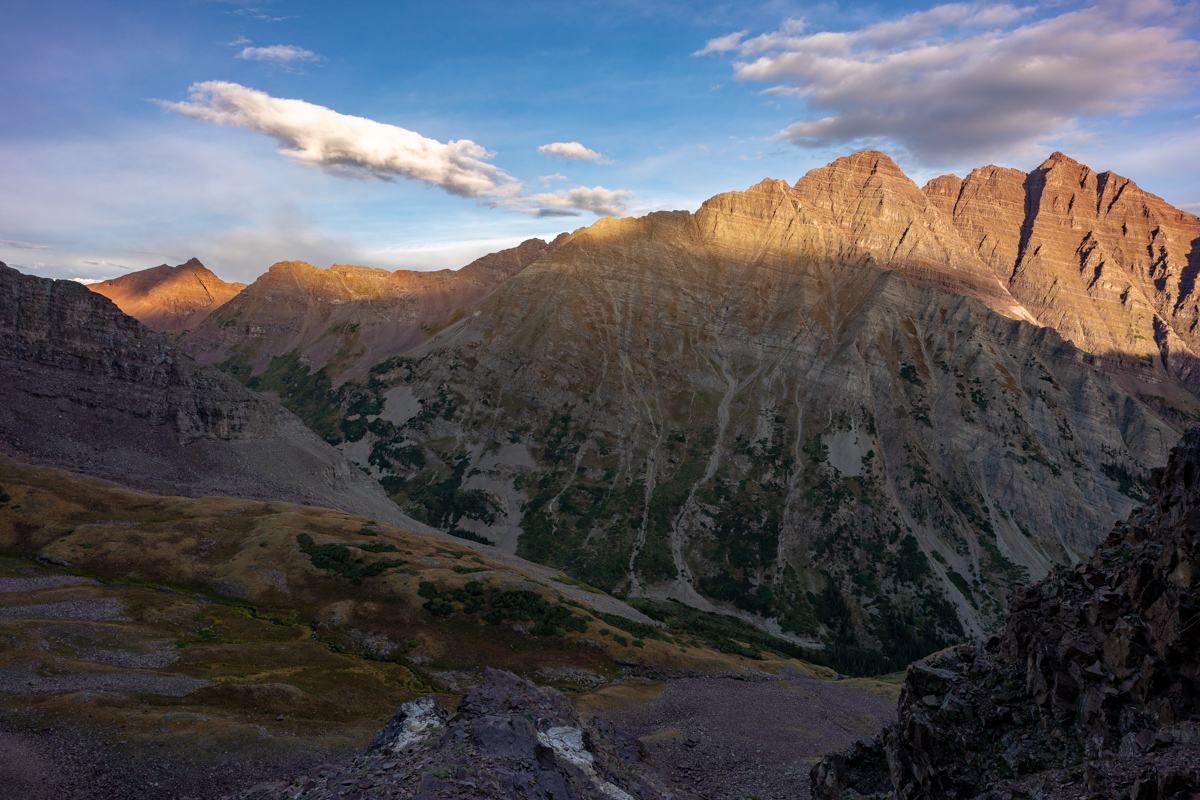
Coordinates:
column 571, row 151
column 262, row 16
column 317, row 136
column 278, row 53
column 23, row 245
column 545, row 180
column 722, row 44
column 966, row 80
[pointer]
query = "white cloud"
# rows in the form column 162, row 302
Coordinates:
column 23, row 245
column 317, row 136
column 279, row 53
column 545, row 180
column 597, row 199
column 967, row 80
column 572, row 151
column 722, row 44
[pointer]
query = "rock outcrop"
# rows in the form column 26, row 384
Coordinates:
column 508, row 739
column 1092, row 689
column 346, row 318
column 169, row 299
column 85, row 387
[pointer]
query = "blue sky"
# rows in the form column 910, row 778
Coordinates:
column 135, row 134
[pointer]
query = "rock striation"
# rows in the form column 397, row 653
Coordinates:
column 346, row 318
column 507, row 739
column 1092, row 689
column 85, row 387
column 169, row 299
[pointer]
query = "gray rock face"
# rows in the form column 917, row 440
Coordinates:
column 509, row 739
column 1094, row 682
column 738, row 409
column 87, row 388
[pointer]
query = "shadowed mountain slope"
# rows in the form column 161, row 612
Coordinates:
column 85, row 387
column 1093, row 684
column 169, row 299
column 739, row 408
column 345, row 318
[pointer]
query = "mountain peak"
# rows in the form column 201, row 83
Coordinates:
column 1059, row 157
column 166, row 298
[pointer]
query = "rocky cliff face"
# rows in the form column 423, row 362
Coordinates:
column 1094, row 683
column 868, row 200
column 741, row 409
column 1109, row 266
column 85, row 387
column 169, row 299
column 508, row 739
column 345, row 318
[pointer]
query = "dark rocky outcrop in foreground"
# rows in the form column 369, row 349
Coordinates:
column 87, row 388
column 1091, row 690
column 509, row 739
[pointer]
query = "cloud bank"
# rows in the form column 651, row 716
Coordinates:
column 279, row 53
column 571, row 151
column 317, row 136
column 965, row 80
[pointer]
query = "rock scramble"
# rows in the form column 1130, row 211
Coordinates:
column 508, row 739
column 1091, row 690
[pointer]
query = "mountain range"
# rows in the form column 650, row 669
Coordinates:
column 852, row 409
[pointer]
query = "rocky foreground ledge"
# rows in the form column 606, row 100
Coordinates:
column 508, row 739
column 1092, row 689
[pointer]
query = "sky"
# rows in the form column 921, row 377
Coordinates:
column 422, row 135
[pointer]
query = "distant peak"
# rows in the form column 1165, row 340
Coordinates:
column 1058, row 157
column 191, row 263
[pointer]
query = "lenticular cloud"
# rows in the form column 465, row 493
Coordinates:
column 319, row 136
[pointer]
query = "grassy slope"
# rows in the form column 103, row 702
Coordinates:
column 227, row 587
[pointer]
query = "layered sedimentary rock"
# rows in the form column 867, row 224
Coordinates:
column 739, row 408
column 1093, row 685
column 1109, row 266
column 346, row 318
column 508, row 739
column 869, row 200
column 85, row 387
column 169, row 299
